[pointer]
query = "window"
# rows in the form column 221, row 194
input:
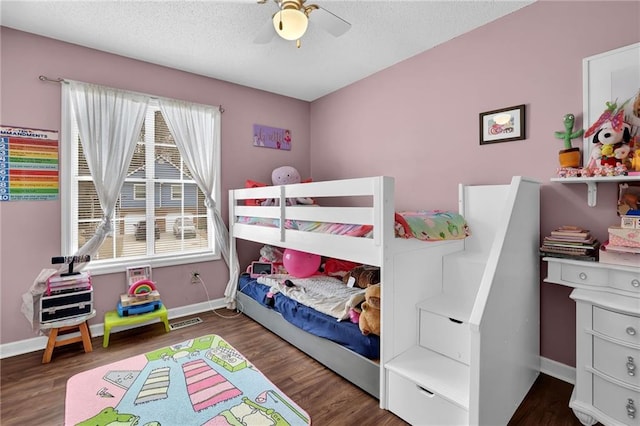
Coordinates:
column 176, row 192
column 159, row 193
column 139, row 191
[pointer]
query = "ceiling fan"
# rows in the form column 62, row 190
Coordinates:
column 292, row 19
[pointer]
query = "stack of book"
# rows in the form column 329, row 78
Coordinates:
column 571, row 242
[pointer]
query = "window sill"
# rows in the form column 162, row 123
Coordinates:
column 121, row 265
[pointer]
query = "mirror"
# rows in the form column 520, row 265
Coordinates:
column 612, row 76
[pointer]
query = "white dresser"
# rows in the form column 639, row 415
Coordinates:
column 607, row 300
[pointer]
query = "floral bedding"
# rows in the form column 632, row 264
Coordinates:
column 309, row 226
column 431, row 225
column 426, row 225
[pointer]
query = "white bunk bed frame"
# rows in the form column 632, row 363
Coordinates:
column 497, row 304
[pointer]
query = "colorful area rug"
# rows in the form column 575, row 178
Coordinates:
column 202, row 381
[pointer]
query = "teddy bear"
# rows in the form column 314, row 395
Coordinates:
column 286, row 175
column 369, row 321
column 362, row 276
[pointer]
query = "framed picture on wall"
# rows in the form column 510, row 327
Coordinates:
column 502, row 125
column 271, row 137
column 612, row 76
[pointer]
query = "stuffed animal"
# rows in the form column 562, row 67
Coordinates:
column 611, row 138
column 362, row 276
column 337, row 267
column 286, row 175
column 369, row 321
column 612, row 144
column 273, row 255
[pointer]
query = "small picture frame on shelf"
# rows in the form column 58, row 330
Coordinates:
column 502, row 125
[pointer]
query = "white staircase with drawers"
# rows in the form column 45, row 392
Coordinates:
column 475, row 353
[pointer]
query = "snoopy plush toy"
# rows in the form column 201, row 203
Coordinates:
column 611, row 145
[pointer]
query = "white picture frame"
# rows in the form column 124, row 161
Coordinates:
column 607, row 77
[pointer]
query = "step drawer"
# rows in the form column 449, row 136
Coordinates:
column 617, row 325
column 444, row 335
column 620, row 403
column 620, row 362
column 419, row 406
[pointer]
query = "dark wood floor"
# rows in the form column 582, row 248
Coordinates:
column 32, row 393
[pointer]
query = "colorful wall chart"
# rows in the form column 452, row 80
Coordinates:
column 271, row 137
column 28, row 164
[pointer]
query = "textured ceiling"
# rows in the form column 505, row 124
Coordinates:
column 216, row 38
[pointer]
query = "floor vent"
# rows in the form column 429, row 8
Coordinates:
column 186, row 323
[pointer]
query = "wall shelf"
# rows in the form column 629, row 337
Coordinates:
column 592, row 184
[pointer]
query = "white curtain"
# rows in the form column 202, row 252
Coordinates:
column 109, row 123
column 198, row 139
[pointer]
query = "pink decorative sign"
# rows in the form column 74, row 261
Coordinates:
column 271, row 137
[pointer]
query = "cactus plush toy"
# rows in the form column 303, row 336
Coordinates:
column 568, row 133
column 569, row 156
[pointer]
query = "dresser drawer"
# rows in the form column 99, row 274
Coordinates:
column 617, row 361
column 446, row 336
column 579, row 274
column 619, row 326
column 618, row 402
column 625, row 280
column 419, row 406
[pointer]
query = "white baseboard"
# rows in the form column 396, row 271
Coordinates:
column 39, row 343
column 558, row 370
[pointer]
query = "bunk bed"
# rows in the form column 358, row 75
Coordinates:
column 411, row 271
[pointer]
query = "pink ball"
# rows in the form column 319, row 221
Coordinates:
column 299, row 263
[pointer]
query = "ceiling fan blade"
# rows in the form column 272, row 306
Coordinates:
column 331, row 23
column 266, row 33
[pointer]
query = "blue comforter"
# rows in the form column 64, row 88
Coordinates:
column 344, row 333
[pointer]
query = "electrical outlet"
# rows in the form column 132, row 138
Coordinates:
column 195, row 277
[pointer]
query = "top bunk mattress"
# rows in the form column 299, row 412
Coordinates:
column 426, row 225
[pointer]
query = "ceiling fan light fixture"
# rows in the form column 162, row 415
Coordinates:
column 290, row 24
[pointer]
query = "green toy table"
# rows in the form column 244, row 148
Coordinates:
column 112, row 319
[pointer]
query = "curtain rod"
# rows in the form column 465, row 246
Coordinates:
column 62, row 80
column 53, row 80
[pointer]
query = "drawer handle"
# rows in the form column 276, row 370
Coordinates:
column 455, row 320
column 631, row 366
column 635, row 283
column 430, row 394
column 631, row 331
column 631, row 409
column 583, row 276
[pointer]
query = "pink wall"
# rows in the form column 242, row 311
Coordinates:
column 31, row 230
column 418, row 121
